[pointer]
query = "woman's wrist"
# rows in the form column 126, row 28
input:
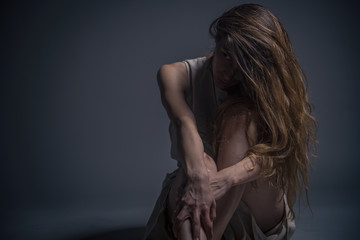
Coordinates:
column 229, row 175
column 243, row 172
column 193, row 152
column 197, row 176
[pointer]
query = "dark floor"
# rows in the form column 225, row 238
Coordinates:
column 135, row 233
column 332, row 218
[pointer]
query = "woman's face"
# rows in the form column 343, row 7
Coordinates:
column 223, row 69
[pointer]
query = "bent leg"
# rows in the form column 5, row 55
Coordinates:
column 230, row 152
column 225, row 208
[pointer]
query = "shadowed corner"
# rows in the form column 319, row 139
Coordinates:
column 135, row 233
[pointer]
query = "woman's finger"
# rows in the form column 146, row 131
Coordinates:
column 178, row 207
column 195, row 223
column 207, row 223
column 213, row 211
column 179, row 219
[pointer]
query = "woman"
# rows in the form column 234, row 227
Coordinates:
column 241, row 129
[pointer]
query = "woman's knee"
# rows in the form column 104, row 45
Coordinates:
column 186, row 232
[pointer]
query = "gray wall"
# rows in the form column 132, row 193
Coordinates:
column 83, row 132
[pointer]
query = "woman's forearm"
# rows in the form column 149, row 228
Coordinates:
column 193, row 150
column 245, row 171
column 197, row 199
column 242, row 172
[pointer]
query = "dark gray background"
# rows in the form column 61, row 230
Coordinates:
column 84, row 141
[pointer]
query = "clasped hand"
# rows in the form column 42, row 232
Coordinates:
column 197, row 203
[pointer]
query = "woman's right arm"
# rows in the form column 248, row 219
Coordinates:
column 173, row 83
column 197, row 202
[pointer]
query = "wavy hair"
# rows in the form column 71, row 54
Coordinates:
column 274, row 86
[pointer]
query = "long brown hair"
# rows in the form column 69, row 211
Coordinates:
column 274, row 85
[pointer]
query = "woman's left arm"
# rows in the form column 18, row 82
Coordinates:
column 242, row 172
column 233, row 166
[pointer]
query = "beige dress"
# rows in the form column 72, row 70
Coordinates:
column 203, row 97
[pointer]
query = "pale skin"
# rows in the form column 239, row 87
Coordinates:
column 211, row 192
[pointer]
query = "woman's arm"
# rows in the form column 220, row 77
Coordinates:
column 173, row 83
column 197, row 196
column 234, row 166
column 243, row 172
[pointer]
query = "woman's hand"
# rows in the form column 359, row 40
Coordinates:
column 220, row 181
column 196, row 202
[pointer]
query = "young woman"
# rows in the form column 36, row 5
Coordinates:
column 241, row 130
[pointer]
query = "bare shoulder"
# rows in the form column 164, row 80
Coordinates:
column 173, row 74
column 176, row 66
